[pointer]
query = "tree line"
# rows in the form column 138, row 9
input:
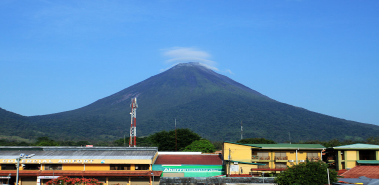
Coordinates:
column 182, row 139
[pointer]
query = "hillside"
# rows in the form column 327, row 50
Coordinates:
column 12, row 124
column 208, row 103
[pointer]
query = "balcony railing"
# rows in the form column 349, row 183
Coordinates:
column 313, row 158
column 257, row 157
column 330, row 158
column 265, row 167
column 264, row 157
column 281, row 157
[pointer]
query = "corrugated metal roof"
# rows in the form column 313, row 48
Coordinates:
column 358, row 146
column 283, row 146
column 46, row 148
column 292, row 146
column 189, row 159
column 80, row 154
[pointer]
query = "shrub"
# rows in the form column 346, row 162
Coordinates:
column 307, row 173
column 73, row 181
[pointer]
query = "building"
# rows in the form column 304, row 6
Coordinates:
column 349, row 156
column 189, row 164
column 110, row 165
column 255, row 159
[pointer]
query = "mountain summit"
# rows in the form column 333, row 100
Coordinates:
column 202, row 100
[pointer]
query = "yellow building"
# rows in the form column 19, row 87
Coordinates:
column 349, row 156
column 253, row 159
column 110, row 165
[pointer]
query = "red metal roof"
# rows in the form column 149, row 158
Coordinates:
column 189, row 159
column 367, row 171
column 23, row 173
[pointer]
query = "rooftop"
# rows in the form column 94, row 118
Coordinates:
column 357, row 146
column 358, row 171
column 79, row 152
column 283, row 146
column 205, row 159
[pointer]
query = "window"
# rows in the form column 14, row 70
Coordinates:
column 32, row 167
column 254, row 155
column 280, row 165
column 53, row 167
column 266, row 166
column 312, row 156
column 367, row 155
column 120, row 166
column 263, row 156
column 142, row 167
column 281, row 156
column 8, row 167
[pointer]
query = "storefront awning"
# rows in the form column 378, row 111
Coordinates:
column 368, row 161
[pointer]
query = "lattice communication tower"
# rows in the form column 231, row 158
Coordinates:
column 133, row 128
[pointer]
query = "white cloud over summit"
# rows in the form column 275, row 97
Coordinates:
column 183, row 55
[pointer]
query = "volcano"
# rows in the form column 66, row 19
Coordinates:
column 200, row 99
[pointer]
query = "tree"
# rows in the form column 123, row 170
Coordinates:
column 256, row 141
column 166, row 140
column 307, row 173
column 45, row 141
column 82, row 143
column 141, row 141
column 203, row 146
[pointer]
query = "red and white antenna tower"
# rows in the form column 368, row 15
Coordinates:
column 133, row 116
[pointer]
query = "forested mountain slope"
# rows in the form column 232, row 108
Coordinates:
column 208, row 103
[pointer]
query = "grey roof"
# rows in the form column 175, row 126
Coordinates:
column 362, row 179
column 79, row 153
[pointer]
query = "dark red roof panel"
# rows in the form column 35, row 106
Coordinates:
column 189, row 159
column 367, row 171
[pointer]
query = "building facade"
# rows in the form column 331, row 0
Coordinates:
column 110, row 165
column 256, row 159
column 350, row 156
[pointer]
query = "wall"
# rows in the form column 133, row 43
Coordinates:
column 73, row 167
column 192, row 170
column 237, row 152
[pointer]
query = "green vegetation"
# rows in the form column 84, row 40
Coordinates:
column 166, row 140
column 307, row 173
column 203, row 146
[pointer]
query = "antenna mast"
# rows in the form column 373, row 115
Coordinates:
column 133, row 129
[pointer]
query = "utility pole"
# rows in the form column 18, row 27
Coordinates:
column 133, row 128
column 176, row 138
column 229, row 163
column 22, row 155
column 241, row 131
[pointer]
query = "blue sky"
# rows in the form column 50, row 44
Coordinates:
column 62, row 55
